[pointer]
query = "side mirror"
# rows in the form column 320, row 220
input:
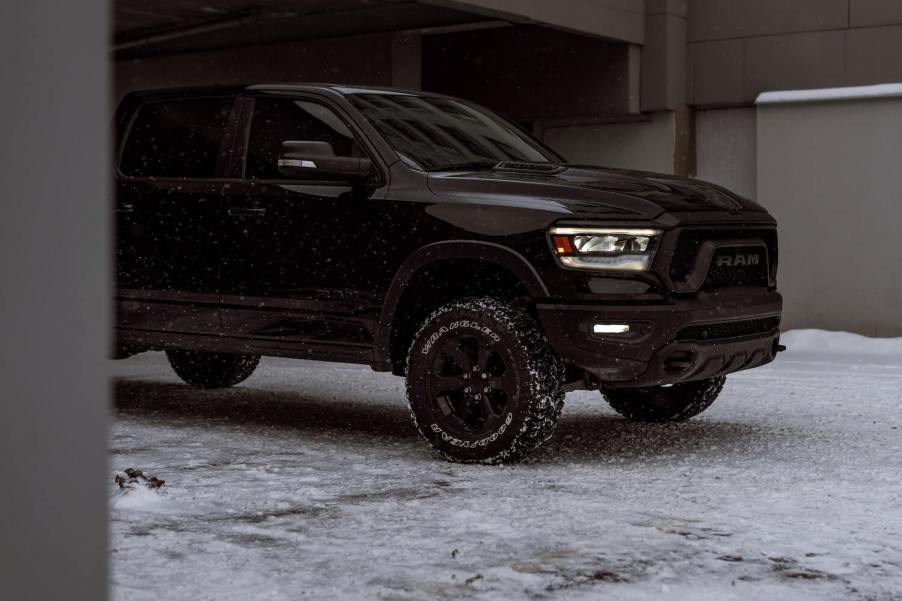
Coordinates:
column 317, row 159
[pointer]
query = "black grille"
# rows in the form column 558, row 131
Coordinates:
column 729, row 329
column 689, row 243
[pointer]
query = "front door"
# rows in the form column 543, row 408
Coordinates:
column 297, row 270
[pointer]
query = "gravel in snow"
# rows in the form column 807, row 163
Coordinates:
column 310, row 481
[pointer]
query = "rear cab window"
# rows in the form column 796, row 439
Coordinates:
column 176, row 138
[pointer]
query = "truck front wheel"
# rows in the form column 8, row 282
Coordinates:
column 665, row 403
column 483, row 384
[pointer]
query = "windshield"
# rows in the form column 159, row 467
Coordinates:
column 433, row 132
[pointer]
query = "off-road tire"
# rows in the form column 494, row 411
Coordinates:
column 212, row 370
column 521, row 373
column 659, row 404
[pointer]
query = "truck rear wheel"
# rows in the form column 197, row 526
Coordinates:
column 212, row 370
column 665, row 404
column 483, row 384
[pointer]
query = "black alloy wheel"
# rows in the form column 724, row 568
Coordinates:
column 472, row 385
column 483, row 384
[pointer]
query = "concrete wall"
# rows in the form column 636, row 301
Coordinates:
column 642, row 144
column 738, row 48
column 531, row 73
column 828, row 172
column 364, row 60
column 726, row 148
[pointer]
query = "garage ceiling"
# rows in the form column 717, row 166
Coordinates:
column 157, row 27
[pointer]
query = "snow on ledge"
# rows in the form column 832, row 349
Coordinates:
column 823, row 341
column 887, row 90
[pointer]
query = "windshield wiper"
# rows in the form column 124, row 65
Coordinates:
column 466, row 166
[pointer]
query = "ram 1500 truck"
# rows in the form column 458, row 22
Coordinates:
column 425, row 236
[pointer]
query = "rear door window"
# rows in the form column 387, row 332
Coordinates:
column 176, row 138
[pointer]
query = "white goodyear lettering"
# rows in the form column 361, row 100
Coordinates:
column 472, row 325
column 472, row 444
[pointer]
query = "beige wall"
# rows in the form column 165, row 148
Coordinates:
column 829, row 173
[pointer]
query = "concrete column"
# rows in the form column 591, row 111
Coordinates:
column 664, row 72
column 54, row 290
column 684, row 142
column 634, row 73
column 664, row 55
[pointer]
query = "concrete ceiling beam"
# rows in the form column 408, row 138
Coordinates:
column 620, row 20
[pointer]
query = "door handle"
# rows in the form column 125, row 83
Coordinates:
column 246, row 211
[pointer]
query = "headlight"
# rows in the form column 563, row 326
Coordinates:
column 624, row 249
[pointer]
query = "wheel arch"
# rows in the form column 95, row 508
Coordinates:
column 436, row 254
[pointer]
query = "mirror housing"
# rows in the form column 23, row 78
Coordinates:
column 311, row 159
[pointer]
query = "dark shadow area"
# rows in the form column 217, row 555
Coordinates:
column 162, row 401
column 579, row 436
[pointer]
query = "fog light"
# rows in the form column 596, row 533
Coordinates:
column 611, row 328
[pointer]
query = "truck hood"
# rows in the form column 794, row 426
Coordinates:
column 587, row 192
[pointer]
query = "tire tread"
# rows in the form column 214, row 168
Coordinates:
column 212, row 370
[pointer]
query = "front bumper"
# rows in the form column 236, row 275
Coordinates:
column 707, row 335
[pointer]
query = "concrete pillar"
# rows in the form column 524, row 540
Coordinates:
column 634, row 75
column 664, row 55
column 54, row 299
column 664, row 68
column 684, row 142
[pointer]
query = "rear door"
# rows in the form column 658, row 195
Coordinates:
column 298, row 267
column 169, row 215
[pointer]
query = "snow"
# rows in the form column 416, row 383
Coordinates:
column 138, row 499
column 887, row 90
column 844, row 343
column 309, row 481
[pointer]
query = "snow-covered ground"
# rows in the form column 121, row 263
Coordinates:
column 309, row 481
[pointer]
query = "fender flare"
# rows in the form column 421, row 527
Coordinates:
column 442, row 251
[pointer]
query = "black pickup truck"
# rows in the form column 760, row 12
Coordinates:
column 428, row 237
